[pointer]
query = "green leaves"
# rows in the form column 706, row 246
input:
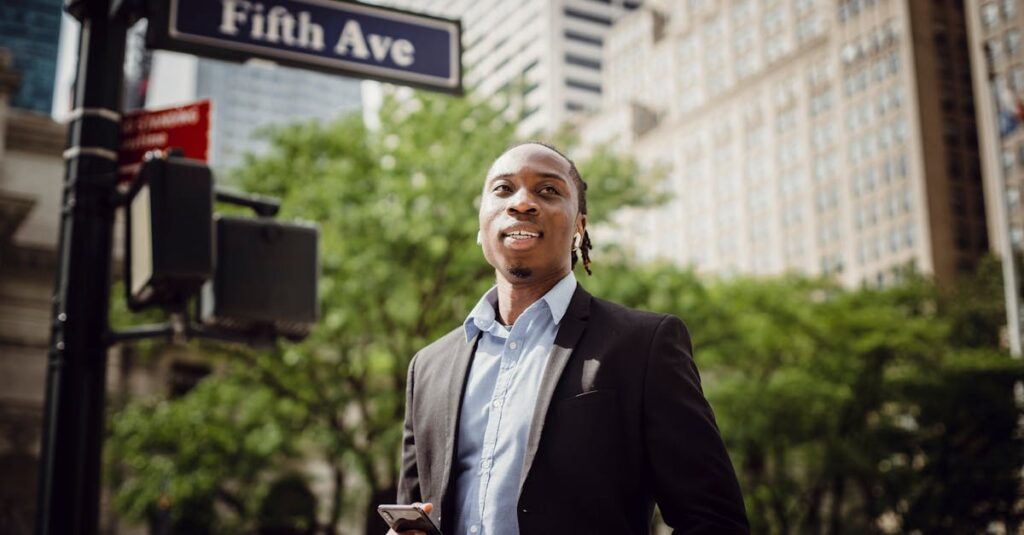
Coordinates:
column 211, row 444
column 875, row 400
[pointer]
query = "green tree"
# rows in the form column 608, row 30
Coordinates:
column 863, row 411
column 178, row 459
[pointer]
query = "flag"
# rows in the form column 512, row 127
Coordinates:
column 1011, row 109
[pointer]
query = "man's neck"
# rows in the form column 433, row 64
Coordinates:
column 514, row 297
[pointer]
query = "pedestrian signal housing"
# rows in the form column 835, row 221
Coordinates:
column 265, row 279
column 169, row 232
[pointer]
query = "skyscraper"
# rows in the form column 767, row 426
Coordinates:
column 248, row 97
column 539, row 58
column 998, row 24
column 804, row 135
column 30, row 30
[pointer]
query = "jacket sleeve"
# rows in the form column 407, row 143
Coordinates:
column 408, row 479
column 693, row 479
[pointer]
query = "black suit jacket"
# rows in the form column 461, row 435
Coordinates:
column 620, row 423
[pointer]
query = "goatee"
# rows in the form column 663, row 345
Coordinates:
column 520, row 272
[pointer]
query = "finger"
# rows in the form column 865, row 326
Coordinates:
column 427, row 507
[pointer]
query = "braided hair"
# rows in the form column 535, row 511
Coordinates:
column 581, row 188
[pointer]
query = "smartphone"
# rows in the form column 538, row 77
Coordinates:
column 407, row 517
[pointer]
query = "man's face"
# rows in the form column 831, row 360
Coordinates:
column 529, row 213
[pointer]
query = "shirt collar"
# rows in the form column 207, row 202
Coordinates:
column 483, row 316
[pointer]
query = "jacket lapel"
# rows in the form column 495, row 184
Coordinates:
column 462, row 351
column 569, row 330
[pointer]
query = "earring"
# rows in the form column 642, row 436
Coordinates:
column 479, row 239
column 577, row 240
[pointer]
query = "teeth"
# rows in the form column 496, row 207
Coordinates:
column 522, row 234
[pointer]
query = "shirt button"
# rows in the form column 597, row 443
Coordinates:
column 496, row 404
column 474, row 528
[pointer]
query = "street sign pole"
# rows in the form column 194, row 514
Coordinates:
column 69, row 485
column 364, row 41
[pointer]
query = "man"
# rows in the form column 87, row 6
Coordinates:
column 552, row 411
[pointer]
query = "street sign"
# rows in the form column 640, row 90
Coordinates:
column 184, row 127
column 327, row 35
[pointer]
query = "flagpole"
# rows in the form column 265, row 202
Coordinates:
column 1002, row 208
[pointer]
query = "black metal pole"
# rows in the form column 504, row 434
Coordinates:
column 69, row 481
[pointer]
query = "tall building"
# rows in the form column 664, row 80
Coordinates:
column 31, row 168
column 30, row 30
column 248, row 97
column 808, row 135
column 998, row 25
column 540, row 58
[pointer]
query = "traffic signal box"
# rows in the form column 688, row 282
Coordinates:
column 266, row 276
column 169, row 232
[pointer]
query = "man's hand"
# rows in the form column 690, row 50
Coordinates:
column 427, row 508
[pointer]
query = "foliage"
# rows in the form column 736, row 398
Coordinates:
column 211, row 446
column 865, row 411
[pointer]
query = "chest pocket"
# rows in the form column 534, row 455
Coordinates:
column 580, row 434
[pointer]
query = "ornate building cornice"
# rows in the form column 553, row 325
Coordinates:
column 34, row 132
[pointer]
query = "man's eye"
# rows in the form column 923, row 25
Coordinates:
column 503, row 188
column 550, row 190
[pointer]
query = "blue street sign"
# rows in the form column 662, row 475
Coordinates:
column 327, row 35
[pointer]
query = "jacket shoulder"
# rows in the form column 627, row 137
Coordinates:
column 602, row 310
column 440, row 349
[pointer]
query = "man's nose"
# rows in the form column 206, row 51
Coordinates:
column 522, row 203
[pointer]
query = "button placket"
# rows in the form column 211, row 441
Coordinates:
column 491, row 432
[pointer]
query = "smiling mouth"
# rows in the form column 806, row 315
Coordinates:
column 520, row 239
column 522, row 235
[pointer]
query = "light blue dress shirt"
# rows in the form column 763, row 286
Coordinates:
column 501, row 392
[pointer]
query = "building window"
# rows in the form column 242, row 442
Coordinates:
column 574, row 59
column 583, row 38
column 786, row 120
column 1009, row 9
column 995, row 50
column 590, row 17
column 807, row 28
column 585, row 86
column 1017, row 79
column 1012, row 42
column 990, row 14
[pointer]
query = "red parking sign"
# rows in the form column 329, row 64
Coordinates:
column 183, row 127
